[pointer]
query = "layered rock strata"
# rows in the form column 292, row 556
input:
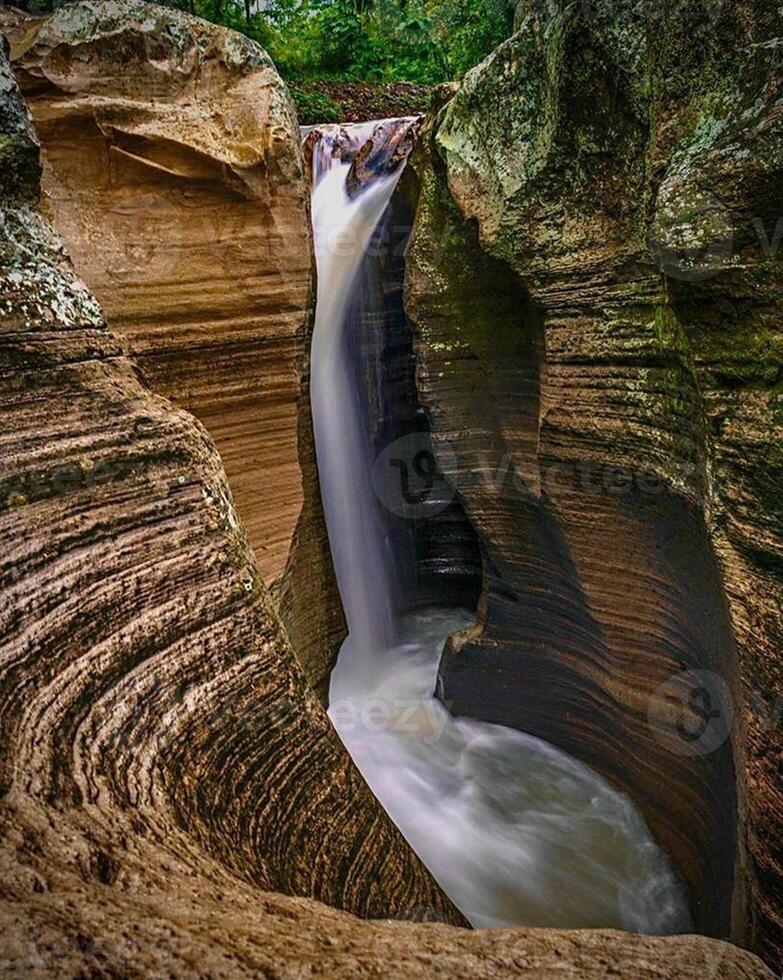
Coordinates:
column 152, row 712
column 435, row 546
column 163, row 761
column 604, row 389
column 174, row 175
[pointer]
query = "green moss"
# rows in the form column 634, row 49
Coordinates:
column 669, row 332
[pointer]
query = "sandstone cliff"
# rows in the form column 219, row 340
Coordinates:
column 607, row 385
column 174, row 175
column 163, row 761
column 151, row 709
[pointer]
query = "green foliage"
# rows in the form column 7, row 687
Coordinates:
column 315, row 107
column 424, row 41
column 473, row 28
column 239, row 16
column 339, row 39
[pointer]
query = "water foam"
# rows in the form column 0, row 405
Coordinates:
column 514, row 830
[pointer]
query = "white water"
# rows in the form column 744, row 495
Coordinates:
column 342, row 230
column 514, row 830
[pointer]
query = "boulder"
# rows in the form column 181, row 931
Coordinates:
column 383, row 153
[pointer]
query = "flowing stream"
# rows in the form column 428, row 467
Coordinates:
column 514, row 830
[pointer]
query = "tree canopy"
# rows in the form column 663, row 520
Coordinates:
column 423, row 41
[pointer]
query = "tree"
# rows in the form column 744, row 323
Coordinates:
column 425, row 41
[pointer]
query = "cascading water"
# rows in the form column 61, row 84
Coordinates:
column 514, row 830
column 342, row 229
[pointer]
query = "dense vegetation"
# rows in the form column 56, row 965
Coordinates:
column 380, row 40
column 425, row 41
column 361, row 41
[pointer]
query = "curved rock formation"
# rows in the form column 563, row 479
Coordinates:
column 149, row 701
column 174, row 174
column 607, row 385
column 162, row 760
column 435, row 546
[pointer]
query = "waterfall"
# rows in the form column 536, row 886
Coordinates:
column 514, row 830
column 342, row 229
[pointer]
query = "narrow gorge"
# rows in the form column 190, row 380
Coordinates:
column 392, row 511
column 515, row 831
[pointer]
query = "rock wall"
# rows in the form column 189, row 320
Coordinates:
column 604, row 388
column 174, row 175
column 435, row 545
column 151, row 708
column 163, row 761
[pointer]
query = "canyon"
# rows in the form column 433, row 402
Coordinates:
column 600, row 391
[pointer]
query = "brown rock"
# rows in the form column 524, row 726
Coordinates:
column 160, row 151
column 174, row 175
column 152, row 713
column 608, row 378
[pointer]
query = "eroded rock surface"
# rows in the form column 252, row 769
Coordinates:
column 383, row 153
column 608, row 379
column 163, row 137
column 175, row 178
column 163, row 762
column 151, row 709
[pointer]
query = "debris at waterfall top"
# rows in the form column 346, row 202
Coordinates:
column 389, row 146
column 320, row 102
column 374, row 149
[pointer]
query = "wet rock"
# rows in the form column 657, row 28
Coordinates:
column 329, row 143
column 384, row 153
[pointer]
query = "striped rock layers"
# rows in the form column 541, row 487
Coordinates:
column 166, row 774
column 151, row 709
column 174, row 176
column 605, row 389
column 162, row 759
